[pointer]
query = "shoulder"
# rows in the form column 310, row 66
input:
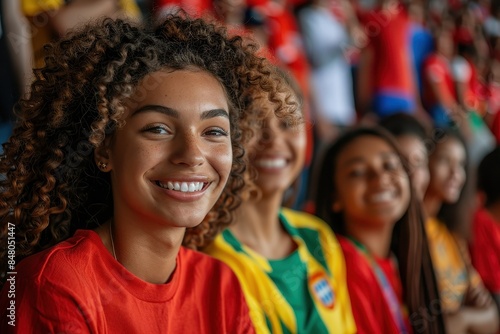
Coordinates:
column 205, row 265
column 435, row 228
column 62, row 260
column 299, row 219
column 483, row 221
column 358, row 269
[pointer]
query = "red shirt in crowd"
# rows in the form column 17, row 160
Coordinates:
column 437, row 69
column 371, row 311
column 485, row 249
column 390, row 41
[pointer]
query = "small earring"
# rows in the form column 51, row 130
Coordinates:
column 102, row 165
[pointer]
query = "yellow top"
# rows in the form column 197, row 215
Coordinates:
column 451, row 262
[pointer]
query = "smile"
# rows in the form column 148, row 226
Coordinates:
column 271, row 163
column 185, row 187
column 381, row 197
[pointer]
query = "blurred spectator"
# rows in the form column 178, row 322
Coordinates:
column 466, row 304
column 386, row 80
column 52, row 19
column 439, row 94
column 327, row 41
column 411, row 136
column 485, row 245
column 493, row 115
column 492, row 22
column 422, row 41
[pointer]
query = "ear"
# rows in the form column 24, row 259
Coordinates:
column 102, row 156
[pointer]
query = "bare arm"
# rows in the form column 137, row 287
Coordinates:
column 19, row 42
column 479, row 315
column 481, row 320
column 80, row 11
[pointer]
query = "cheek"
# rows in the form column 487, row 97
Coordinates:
column 300, row 143
column 405, row 190
column 437, row 174
column 421, row 178
column 221, row 158
column 349, row 193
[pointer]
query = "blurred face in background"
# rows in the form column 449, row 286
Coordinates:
column 416, row 153
column 447, row 170
column 277, row 152
column 371, row 186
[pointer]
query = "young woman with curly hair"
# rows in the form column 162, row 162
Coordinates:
column 130, row 145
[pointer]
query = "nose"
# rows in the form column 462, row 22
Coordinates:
column 187, row 150
column 267, row 135
column 380, row 177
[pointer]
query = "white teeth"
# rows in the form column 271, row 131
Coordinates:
column 185, row 187
column 271, row 163
column 382, row 197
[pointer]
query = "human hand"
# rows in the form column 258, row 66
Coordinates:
column 455, row 323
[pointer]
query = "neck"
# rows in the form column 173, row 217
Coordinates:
column 431, row 205
column 494, row 211
column 259, row 228
column 377, row 240
column 148, row 254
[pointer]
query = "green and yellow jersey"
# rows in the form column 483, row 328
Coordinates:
column 306, row 292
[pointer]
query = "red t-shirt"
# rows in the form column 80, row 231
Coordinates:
column 371, row 311
column 78, row 287
column 389, row 39
column 485, row 249
column 437, row 69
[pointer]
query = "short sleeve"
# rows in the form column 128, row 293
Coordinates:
column 41, row 309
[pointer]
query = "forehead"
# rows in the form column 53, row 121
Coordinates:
column 451, row 146
column 366, row 147
column 190, row 84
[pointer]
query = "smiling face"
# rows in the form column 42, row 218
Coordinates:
column 171, row 160
column 278, row 152
column 371, row 186
column 447, row 170
column 416, row 154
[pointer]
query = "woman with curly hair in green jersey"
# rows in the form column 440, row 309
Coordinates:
column 128, row 154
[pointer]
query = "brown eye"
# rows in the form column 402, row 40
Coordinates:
column 355, row 173
column 156, row 129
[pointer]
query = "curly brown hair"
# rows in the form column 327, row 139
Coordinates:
column 51, row 185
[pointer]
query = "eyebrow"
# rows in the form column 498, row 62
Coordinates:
column 359, row 159
column 174, row 113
